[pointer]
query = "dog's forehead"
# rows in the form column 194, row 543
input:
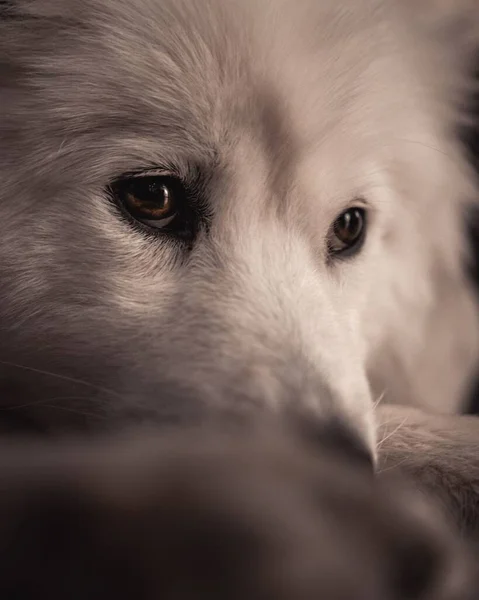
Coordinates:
column 125, row 84
column 191, row 70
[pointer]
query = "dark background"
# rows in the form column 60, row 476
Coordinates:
column 470, row 137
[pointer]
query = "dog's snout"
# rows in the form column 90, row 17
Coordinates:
column 335, row 435
column 347, row 441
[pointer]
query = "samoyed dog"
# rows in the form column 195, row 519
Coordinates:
column 233, row 210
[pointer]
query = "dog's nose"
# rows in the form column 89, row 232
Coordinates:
column 335, row 435
column 347, row 441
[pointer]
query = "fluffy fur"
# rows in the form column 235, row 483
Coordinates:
column 283, row 114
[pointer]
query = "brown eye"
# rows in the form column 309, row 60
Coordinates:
column 156, row 201
column 347, row 233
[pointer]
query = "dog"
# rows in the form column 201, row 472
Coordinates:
column 227, row 208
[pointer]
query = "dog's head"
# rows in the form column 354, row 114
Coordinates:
column 231, row 204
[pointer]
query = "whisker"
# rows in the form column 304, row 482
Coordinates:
column 61, row 377
column 76, row 412
column 43, row 400
column 395, row 466
column 391, row 433
column 379, row 399
column 425, row 145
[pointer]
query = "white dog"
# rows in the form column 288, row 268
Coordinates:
column 224, row 206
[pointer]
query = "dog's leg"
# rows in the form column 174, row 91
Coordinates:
column 441, row 453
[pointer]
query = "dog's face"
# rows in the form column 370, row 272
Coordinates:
column 226, row 204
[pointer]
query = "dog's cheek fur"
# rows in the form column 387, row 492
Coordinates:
column 430, row 363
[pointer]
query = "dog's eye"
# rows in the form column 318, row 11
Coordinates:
column 157, row 201
column 347, row 233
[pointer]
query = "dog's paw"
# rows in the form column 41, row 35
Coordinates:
column 440, row 453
